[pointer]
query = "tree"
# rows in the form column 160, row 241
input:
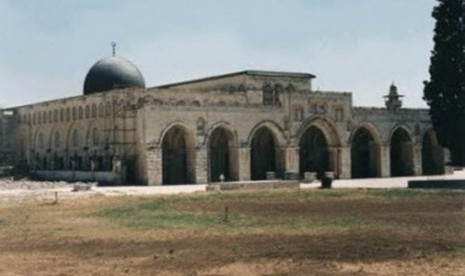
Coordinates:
column 445, row 91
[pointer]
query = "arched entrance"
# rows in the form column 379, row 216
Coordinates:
column 314, row 153
column 222, row 155
column 176, row 156
column 432, row 160
column 401, row 153
column 364, row 155
column 265, row 154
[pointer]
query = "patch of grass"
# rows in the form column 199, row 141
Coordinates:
column 3, row 223
column 413, row 193
column 181, row 212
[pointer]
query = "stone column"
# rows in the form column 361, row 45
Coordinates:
column 201, row 165
column 333, row 161
column 244, row 163
column 385, row 156
column 291, row 157
column 154, row 166
column 417, row 160
column 344, row 162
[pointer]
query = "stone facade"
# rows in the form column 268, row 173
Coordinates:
column 239, row 126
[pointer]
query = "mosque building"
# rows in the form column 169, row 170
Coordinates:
column 248, row 125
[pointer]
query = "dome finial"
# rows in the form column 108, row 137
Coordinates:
column 113, row 46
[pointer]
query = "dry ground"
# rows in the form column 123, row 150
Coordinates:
column 313, row 232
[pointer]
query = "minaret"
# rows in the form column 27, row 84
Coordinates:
column 393, row 99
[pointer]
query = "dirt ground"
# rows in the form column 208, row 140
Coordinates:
column 347, row 233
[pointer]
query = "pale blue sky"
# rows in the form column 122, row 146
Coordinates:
column 358, row 46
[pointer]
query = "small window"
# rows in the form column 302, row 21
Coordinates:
column 94, row 111
column 80, row 113
column 87, row 112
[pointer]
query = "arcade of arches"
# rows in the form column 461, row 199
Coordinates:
column 268, row 158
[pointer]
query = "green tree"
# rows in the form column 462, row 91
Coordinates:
column 445, row 91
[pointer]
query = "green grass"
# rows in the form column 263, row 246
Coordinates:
column 402, row 194
column 179, row 213
column 3, row 223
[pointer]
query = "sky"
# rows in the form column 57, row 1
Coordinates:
column 357, row 46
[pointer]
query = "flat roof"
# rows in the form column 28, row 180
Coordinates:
column 246, row 72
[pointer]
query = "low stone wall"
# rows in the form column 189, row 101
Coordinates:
column 437, row 184
column 82, row 176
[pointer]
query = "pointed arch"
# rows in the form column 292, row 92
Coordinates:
column 401, row 152
column 325, row 125
column 275, row 128
column 365, row 152
column 178, row 155
column 222, row 153
column 432, row 161
column 318, row 139
column 266, row 142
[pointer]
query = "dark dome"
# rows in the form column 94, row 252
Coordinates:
column 112, row 73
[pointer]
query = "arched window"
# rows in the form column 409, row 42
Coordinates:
column 94, row 111
column 108, row 109
column 267, row 95
column 87, row 112
column 80, row 113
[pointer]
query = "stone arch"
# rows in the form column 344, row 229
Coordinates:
column 56, row 143
column 432, row 161
column 222, row 154
column 178, row 155
column 266, row 150
column 401, row 152
column 365, row 152
column 325, row 125
column 75, row 137
column 93, row 128
column 276, row 129
column 318, row 142
column 75, row 141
